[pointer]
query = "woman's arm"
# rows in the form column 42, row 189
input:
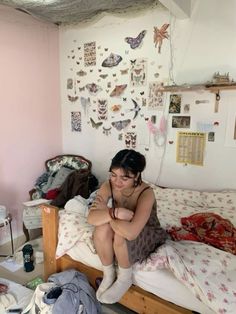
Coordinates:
column 131, row 229
column 99, row 211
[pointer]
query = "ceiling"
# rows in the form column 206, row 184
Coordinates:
column 74, row 11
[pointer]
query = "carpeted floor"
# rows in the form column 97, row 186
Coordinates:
column 22, row 277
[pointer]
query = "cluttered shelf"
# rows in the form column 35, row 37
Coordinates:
column 218, row 82
column 193, row 87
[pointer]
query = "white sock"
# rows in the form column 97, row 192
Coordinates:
column 120, row 286
column 109, row 275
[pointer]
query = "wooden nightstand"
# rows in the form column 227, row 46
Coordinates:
column 6, row 222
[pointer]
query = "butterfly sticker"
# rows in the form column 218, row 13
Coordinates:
column 106, row 131
column 160, row 35
column 135, row 42
column 133, row 61
column 103, row 76
column 95, row 125
column 115, row 108
column 93, row 88
column 118, row 90
column 102, row 109
column 72, row 98
column 120, row 125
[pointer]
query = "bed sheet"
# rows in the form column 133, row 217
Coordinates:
column 160, row 282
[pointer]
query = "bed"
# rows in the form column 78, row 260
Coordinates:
column 181, row 277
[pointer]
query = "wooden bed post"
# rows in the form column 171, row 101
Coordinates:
column 50, row 233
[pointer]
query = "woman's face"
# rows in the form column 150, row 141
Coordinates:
column 120, row 180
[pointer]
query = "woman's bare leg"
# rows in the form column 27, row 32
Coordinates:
column 103, row 240
column 124, row 278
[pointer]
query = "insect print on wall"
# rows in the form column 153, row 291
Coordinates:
column 72, row 98
column 112, row 60
column 159, row 35
column 93, row 88
column 120, row 125
column 130, row 139
column 138, row 72
column 135, row 42
column 102, row 109
column 90, row 54
column 118, row 90
column 76, row 121
column 156, row 96
column 85, row 103
column 69, row 84
column 136, row 109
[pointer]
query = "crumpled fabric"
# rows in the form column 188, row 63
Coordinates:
column 69, row 301
column 6, row 300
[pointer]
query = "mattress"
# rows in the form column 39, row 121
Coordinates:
column 160, row 282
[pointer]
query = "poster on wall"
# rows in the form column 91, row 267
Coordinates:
column 90, row 54
column 156, row 96
column 76, row 121
column 190, row 148
column 230, row 134
column 138, row 72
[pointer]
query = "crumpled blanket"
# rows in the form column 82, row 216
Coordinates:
column 208, row 228
column 208, row 272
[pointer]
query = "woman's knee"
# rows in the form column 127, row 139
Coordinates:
column 103, row 232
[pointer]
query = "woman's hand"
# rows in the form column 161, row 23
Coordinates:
column 99, row 203
column 123, row 213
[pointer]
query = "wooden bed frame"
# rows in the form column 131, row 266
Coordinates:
column 135, row 298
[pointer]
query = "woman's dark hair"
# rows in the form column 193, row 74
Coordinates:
column 130, row 161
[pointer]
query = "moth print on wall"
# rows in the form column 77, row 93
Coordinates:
column 72, row 98
column 69, row 84
column 125, row 71
column 120, row 125
column 138, row 72
column 156, row 96
column 115, row 108
column 159, row 35
column 118, row 90
column 112, row 60
column 75, row 121
column 130, row 139
column 93, row 88
column 81, row 73
column 135, row 42
column 102, row 109
column 175, row 103
column 90, row 54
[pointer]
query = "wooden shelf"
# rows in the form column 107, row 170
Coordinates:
column 214, row 88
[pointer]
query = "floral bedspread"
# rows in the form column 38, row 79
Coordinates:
column 208, row 272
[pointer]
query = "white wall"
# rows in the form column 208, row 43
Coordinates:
column 198, row 47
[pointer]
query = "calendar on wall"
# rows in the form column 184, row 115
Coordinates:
column 190, row 147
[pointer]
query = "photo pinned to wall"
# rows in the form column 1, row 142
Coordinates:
column 76, row 121
column 211, row 137
column 130, row 139
column 181, row 122
column 156, row 96
column 190, row 148
column 102, row 109
column 138, row 72
column 175, row 103
column 90, row 54
column 230, row 135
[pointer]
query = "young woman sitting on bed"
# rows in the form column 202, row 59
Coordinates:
column 126, row 225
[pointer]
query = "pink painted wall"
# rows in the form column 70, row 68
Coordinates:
column 30, row 124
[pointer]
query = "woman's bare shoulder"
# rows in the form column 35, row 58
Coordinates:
column 105, row 188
